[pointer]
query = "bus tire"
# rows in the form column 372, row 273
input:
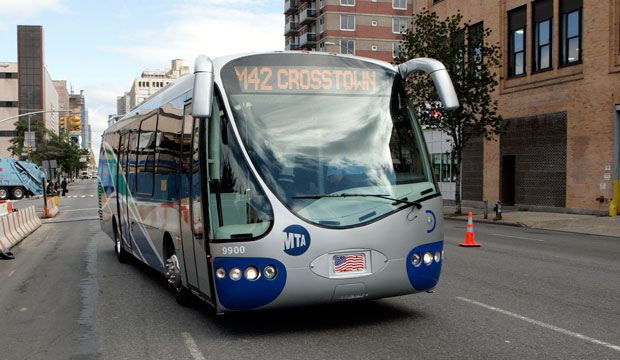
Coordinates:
column 173, row 274
column 121, row 254
column 17, row 193
column 4, row 193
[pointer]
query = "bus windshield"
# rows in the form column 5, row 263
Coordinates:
column 329, row 133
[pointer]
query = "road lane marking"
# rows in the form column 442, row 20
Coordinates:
column 542, row 324
column 192, row 347
column 81, row 209
column 519, row 237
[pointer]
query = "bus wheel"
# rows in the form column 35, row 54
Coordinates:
column 173, row 274
column 4, row 193
column 121, row 254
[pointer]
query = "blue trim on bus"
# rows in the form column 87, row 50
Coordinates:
column 244, row 294
column 425, row 277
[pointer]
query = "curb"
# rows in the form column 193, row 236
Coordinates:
column 489, row 222
column 521, row 225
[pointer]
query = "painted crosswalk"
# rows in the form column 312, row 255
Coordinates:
column 77, row 196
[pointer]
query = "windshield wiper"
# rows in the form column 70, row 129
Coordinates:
column 381, row 196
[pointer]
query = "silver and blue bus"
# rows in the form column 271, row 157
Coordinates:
column 278, row 179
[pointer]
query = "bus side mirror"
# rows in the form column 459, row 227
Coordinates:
column 203, row 87
column 440, row 77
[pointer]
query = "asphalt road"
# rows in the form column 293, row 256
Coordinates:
column 524, row 294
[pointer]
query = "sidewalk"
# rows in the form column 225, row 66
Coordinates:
column 585, row 224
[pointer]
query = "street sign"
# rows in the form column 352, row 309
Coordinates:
column 49, row 164
column 29, row 139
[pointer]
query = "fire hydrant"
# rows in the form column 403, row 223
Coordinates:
column 498, row 211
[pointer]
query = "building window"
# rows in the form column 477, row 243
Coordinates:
column 8, row 103
column 321, row 4
column 571, row 15
column 8, row 133
column 475, row 37
column 399, row 4
column 399, row 25
column 321, row 24
column 444, row 168
column 516, row 29
column 8, row 75
column 396, row 49
column 347, row 47
column 347, row 22
column 322, row 47
column 347, row 2
column 543, row 35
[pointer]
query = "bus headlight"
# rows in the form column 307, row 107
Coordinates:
column 235, row 274
column 437, row 256
column 220, row 273
column 428, row 258
column 416, row 259
column 270, row 272
column 251, row 273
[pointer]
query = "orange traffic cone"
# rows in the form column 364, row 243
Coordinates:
column 470, row 240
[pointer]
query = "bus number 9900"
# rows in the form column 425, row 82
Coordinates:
column 230, row 250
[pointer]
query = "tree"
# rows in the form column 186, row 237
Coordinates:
column 471, row 61
column 61, row 148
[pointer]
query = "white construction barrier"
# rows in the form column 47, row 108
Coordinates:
column 15, row 226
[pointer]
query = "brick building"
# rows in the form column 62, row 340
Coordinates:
column 560, row 92
column 370, row 28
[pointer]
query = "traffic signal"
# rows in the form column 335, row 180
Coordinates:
column 62, row 122
column 76, row 123
column 29, row 149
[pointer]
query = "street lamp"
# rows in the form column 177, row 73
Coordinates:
column 29, row 115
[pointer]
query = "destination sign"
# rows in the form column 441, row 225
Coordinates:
column 280, row 79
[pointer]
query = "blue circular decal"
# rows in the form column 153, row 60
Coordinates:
column 296, row 240
column 431, row 220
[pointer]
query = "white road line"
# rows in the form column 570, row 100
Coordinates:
column 192, row 347
column 80, row 209
column 519, row 237
column 542, row 324
column 82, row 195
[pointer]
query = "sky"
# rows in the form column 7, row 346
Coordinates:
column 101, row 46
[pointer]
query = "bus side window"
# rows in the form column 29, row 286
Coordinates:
column 243, row 211
column 146, row 153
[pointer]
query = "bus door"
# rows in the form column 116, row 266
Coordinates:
column 122, row 189
column 194, row 234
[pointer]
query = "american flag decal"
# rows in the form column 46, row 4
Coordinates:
column 348, row 263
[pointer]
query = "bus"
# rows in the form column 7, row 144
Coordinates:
column 278, row 179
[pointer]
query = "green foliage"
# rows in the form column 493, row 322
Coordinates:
column 470, row 60
column 49, row 146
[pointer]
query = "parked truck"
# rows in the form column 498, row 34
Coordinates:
column 19, row 179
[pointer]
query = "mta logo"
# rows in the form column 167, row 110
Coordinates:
column 296, row 240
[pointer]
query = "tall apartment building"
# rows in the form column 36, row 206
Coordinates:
column 370, row 28
column 559, row 91
column 123, row 103
column 9, row 100
column 77, row 105
column 36, row 88
column 149, row 83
